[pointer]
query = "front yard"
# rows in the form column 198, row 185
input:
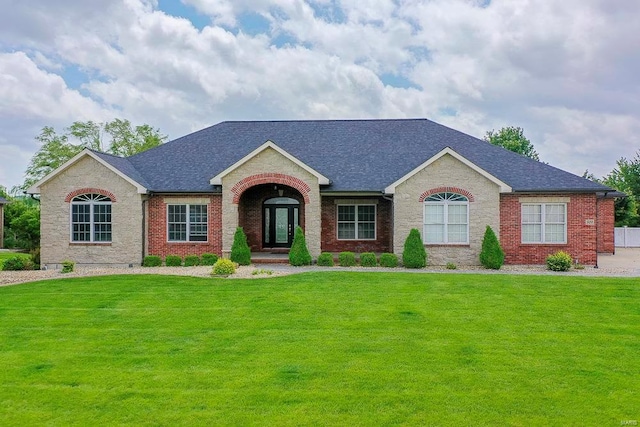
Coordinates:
column 325, row 348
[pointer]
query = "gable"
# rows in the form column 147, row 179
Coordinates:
column 78, row 159
column 448, row 152
column 265, row 148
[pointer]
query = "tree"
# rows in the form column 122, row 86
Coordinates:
column 626, row 178
column 299, row 254
column 414, row 254
column 56, row 148
column 491, row 255
column 22, row 223
column 240, row 251
column 513, row 139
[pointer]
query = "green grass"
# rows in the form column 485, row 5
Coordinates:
column 6, row 255
column 334, row 348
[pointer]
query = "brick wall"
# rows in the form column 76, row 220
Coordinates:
column 606, row 224
column 157, row 226
column 581, row 237
column 329, row 236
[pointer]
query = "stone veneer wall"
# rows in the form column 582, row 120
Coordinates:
column 330, row 242
column 157, row 226
column 266, row 167
column 126, row 210
column 581, row 232
column 447, row 172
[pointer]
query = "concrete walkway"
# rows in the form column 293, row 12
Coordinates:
column 624, row 258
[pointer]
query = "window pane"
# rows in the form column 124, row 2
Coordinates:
column 531, row 233
column 554, row 233
column 267, row 225
column 366, row 213
column 366, row 230
column 434, row 214
column 198, row 223
column 457, row 233
column 434, row 233
column 554, row 213
column 457, row 214
column 346, row 213
column 531, row 214
column 346, row 230
column 178, row 232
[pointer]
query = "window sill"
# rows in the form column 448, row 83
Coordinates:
column 89, row 243
column 544, row 244
column 173, row 242
column 356, row 240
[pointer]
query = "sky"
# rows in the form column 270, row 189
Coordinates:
column 568, row 71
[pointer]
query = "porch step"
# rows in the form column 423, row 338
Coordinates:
column 270, row 257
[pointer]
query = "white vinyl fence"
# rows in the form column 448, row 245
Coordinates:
column 627, row 237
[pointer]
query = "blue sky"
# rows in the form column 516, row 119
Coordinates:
column 564, row 71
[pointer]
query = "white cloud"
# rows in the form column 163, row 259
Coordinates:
column 565, row 71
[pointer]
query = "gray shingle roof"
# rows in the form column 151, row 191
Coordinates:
column 124, row 166
column 356, row 155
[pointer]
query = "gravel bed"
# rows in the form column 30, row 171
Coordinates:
column 262, row 270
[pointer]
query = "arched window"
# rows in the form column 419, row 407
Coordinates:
column 91, row 218
column 446, row 219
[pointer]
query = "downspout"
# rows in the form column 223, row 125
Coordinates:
column 598, row 231
column 393, row 223
column 144, row 228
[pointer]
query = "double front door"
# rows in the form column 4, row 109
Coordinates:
column 280, row 218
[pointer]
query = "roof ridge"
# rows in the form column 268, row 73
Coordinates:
column 405, row 119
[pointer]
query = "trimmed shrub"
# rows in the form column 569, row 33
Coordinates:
column 173, row 261
column 191, row 260
column 368, row 259
column 299, row 253
column 240, row 251
column 152, row 261
column 559, row 261
column 491, row 255
column 414, row 254
column 223, row 267
column 388, row 260
column 68, row 266
column 347, row 259
column 17, row 263
column 451, row 266
column 208, row 259
column 325, row 259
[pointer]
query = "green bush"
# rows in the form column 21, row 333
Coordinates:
column 173, row 261
column 388, row 260
column 347, row 259
column 559, row 261
column 17, row 263
column 414, row 254
column 491, row 255
column 68, row 266
column 325, row 259
column 209, row 259
column 299, row 253
column 223, row 267
column 451, row 266
column 191, row 260
column 152, row 261
column 368, row 259
column 240, row 251
column 35, row 257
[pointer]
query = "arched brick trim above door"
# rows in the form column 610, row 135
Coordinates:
column 437, row 190
column 75, row 193
column 270, row 178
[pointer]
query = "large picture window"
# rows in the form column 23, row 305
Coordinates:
column 544, row 223
column 91, row 218
column 446, row 219
column 187, row 223
column 356, row 222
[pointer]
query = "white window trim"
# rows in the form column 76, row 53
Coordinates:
column 92, row 223
column 543, row 208
column 375, row 221
column 188, row 205
column 446, row 204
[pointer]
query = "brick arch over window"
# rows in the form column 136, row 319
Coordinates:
column 80, row 191
column 446, row 190
column 270, row 178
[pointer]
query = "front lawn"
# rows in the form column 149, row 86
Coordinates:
column 333, row 348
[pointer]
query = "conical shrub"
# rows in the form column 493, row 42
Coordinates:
column 414, row 254
column 240, row 251
column 299, row 253
column 491, row 255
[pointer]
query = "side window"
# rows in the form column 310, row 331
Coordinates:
column 446, row 219
column 187, row 223
column 91, row 218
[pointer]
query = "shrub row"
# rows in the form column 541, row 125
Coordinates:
column 367, row 259
column 177, row 261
